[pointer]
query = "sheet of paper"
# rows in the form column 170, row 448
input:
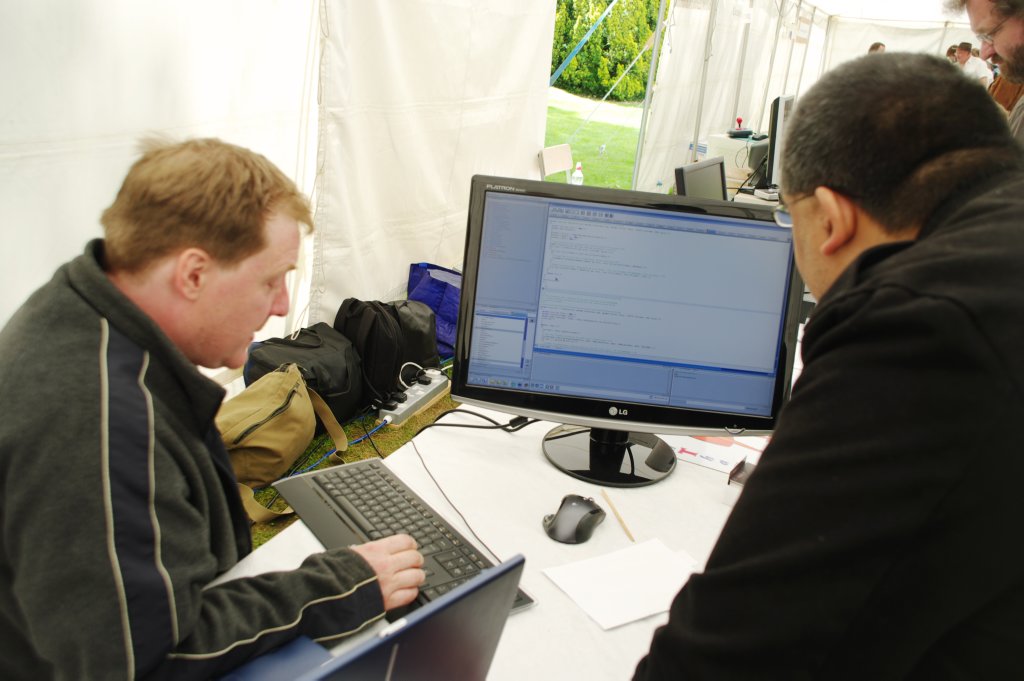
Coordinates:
column 626, row 585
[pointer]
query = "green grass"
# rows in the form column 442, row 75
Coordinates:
column 612, row 167
column 383, row 442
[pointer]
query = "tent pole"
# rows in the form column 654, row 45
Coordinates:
column 771, row 63
column 807, row 51
column 743, row 64
column 655, row 53
column 709, row 37
column 828, row 41
column 792, row 45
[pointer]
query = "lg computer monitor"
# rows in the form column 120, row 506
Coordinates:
column 769, row 166
column 703, row 179
column 624, row 314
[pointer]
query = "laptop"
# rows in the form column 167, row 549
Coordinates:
column 452, row 637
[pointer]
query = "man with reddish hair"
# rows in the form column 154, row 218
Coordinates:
column 117, row 501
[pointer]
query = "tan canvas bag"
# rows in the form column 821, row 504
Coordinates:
column 267, row 426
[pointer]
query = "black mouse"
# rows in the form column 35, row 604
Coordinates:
column 575, row 520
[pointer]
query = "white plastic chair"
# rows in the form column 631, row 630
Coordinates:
column 553, row 159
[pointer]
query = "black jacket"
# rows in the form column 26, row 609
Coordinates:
column 879, row 537
column 118, row 506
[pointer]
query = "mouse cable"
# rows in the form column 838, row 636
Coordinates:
column 451, row 504
column 512, row 426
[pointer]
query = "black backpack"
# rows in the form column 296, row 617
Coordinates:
column 419, row 333
column 327, row 360
column 386, row 336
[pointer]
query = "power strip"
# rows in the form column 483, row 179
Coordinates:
column 419, row 397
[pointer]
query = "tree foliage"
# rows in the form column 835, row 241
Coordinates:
column 609, row 51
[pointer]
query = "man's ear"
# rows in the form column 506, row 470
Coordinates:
column 841, row 219
column 191, row 272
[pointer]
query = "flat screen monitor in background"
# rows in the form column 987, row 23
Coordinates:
column 768, row 171
column 624, row 314
column 703, row 179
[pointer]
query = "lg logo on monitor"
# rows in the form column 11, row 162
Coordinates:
column 615, row 411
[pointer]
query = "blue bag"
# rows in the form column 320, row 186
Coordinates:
column 439, row 288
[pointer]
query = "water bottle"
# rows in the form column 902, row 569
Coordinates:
column 577, row 175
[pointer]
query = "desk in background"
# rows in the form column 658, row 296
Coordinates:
column 504, row 486
column 735, row 151
column 741, row 197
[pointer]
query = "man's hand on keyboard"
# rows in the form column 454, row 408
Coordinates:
column 397, row 564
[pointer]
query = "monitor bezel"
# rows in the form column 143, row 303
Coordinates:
column 602, row 413
column 776, row 136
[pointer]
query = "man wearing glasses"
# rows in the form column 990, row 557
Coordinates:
column 878, row 537
column 999, row 25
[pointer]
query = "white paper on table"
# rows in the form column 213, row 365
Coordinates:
column 626, row 585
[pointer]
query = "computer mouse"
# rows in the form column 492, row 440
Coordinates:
column 575, row 520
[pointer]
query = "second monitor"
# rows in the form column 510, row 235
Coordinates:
column 703, row 179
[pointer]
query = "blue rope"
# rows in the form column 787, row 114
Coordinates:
column 354, row 442
column 579, row 46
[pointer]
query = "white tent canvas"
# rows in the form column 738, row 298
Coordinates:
column 381, row 112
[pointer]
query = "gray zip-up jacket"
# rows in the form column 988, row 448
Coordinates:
column 118, row 506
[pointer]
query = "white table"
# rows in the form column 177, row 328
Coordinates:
column 755, row 200
column 503, row 485
column 735, row 150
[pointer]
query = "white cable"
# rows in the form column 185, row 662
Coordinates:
column 404, row 384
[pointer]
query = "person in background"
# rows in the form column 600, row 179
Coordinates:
column 876, row 47
column 999, row 25
column 871, row 540
column 951, row 54
column 119, row 505
column 973, row 67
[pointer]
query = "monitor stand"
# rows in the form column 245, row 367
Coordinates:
column 613, row 458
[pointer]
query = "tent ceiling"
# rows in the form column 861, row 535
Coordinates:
column 904, row 10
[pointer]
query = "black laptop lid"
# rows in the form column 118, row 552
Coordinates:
column 452, row 637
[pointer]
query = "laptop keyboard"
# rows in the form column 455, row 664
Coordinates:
column 380, row 504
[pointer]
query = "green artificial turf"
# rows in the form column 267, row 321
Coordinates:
column 383, row 442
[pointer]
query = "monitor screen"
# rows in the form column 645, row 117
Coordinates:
column 703, row 179
column 626, row 314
